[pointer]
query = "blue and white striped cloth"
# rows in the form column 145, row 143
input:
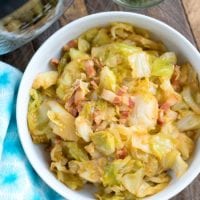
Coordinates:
column 18, row 181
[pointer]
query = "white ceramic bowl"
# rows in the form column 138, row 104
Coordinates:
column 51, row 48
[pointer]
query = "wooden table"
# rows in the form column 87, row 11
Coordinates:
column 183, row 15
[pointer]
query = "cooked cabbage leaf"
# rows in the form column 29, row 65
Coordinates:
column 73, row 150
column 104, row 142
column 107, row 79
column 62, row 122
column 45, row 80
column 140, row 65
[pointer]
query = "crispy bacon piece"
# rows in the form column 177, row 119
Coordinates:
column 175, row 78
column 69, row 103
column 168, row 103
column 89, row 68
column 54, row 62
column 98, row 63
column 73, row 111
column 121, row 153
column 123, row 90
column 79, row 96
column 165, row 106
column 125, row 100
column 79, row 107
column 94, row 84
column 117, row 100
column 70, row 44
column 131, row 102
column 97, row 117
column 161, row 117
column 124, row 114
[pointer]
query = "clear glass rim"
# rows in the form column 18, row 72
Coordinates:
column 127, row 5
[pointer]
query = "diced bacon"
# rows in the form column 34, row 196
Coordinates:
column 122, row 90
column 79, row 107
column 73, row 111
column 58, row 139
column 175, row 78
column 54, row 62
column 69, row 103
column 177, row 73
column 131, row 102
column 97, row 62
column 108, row 95
column 161, row 117
column 121, row 153
column 170, row 102
column 96, row 79
column 125, row 100
column 70, row 44
column 124, row 114
column 94, row 85
column 117, row 100
column 97, row 117
column 79, row 96
column 89, row 68
column 165, row 106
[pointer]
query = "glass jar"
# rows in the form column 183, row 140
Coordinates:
column 136, row 4
column 23, row 20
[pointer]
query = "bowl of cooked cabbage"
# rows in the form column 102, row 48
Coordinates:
column 109, row 108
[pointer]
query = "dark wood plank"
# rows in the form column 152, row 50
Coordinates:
column 20, row 57
column 78, row 9
column 192, row 8
column 39, row 40
column 170, row 12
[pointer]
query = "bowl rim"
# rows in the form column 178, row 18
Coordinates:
column 36, row 167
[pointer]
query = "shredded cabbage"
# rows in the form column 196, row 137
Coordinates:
column 118, row 112
column 61, row 122
column 45, row 80
column 140, row 65
column 104, row 142
column 164, row 65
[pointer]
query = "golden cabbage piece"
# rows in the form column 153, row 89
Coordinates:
column 104, row 142
column 37, row 118
column 45, row 80
column 61, row 122
column 118, row 112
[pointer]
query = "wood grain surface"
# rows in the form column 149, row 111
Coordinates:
column 192, row 10
column 183, row 15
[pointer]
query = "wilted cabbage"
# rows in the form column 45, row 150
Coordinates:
column 37, row 117
column 61, row 122
column 145, row 112
column 140, row 65
column 117, row 111
column 45, row 80
column 107, row 79
column 104, row 142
